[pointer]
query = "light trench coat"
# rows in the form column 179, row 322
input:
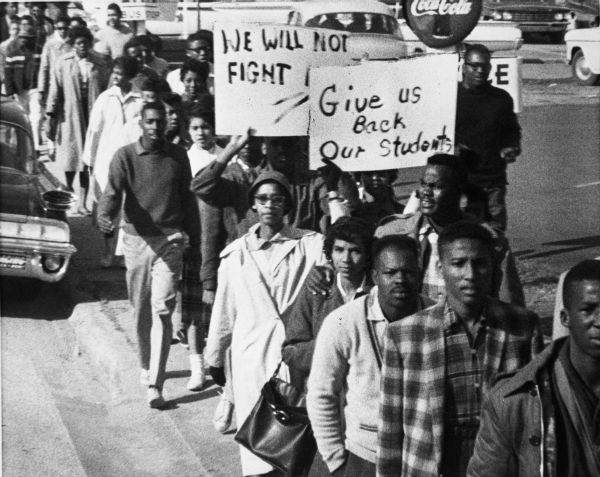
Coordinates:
column 114, row 122
column 247, row 314
column 65, row 101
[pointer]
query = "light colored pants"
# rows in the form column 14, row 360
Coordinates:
column 153, row 270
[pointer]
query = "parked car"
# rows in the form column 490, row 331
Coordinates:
column 35, row 240
column 532, row 16
column 583, row 54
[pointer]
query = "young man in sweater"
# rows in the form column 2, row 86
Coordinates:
column 347, row 359
column 158, row 212
column 487, row 131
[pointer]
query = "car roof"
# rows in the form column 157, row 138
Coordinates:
column 312, row 8
column 13, row 113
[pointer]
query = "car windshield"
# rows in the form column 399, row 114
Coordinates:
column 356, row 22
column 16, row 148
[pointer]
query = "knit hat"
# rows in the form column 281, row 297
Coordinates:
column 278, row 178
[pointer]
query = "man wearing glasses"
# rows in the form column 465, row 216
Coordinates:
column 442, row 185
column 487, row 131
column 199, row 47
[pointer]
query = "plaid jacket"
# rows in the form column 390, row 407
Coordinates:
column 411, row 412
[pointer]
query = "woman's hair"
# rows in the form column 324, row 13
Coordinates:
column 349, row 229
column 129, row 66
column 80, row 32
column 201, row 69
column 207, row 115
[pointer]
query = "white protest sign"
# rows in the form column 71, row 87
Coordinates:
column 506, row 74
column 261, row 75
column 383, row 115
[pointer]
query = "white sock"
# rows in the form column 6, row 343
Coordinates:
column 196, row 363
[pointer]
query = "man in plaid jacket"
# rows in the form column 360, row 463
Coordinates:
column 439, row 363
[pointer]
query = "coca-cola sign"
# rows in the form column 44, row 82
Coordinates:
column 441, row 23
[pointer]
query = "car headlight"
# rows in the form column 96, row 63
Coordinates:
column 559, row 16
column 52, row 263
column 506, row 16
column 497, row 15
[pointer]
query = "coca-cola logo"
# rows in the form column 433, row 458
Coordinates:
column 441, row 23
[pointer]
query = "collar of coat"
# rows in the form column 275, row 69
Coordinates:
column 529, row 374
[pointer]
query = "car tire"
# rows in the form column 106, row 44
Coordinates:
column 581, row 70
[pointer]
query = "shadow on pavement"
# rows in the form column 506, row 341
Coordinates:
column 570, row 245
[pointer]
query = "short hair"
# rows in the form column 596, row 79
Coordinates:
column 401, row 242
column 150, row 84
column 477, row 48
column 201, row 35
column 116, row 8
column 454, row 164
column 129, row 66
column 586, row 270
column 465, row 229
column 144, row 40
column 349, row 229
column 207, row 115
column 26, row 18
column 156, row 43
column 154, row 105
column 172, row 99
column 80, row 32
column 63, row 19
column 41, row 5
column 475, row 193
column 131, row 43
column 190, row 64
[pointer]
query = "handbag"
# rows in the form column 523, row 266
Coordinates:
column 278, row 429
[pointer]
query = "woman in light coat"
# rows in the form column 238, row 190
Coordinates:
column 259, row 277
column 114, row 122
column 80, row 76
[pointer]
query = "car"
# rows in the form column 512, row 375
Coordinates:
column 35, row 239
column 583, row 54
column 532, row 16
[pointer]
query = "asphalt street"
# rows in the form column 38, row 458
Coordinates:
column 72, row 404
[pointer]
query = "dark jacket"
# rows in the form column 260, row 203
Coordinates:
column 517, row 434
column 21, row 70
column 302, row 323
column 486, row 123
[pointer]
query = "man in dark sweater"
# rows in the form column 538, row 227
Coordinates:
column 488, row 134
column 158, row 212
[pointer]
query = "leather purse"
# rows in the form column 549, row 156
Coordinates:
column 278, row 429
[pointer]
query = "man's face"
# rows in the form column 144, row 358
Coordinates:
column 396, row 274
column 36, row 12
column 280, row 152
column 173, row 118
column 112, row 18
column 63, row 30
column 582, row 316
column 13, row 30
column 198, row 50
column 349, row 259
column 438, row 191
column 376, row 182
column 149, row 96
column 12, row 8
column 466, row 265
column 153, row 125
column 476, row 69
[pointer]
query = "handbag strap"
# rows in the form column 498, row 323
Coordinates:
column 373, row 336
column 277, row 370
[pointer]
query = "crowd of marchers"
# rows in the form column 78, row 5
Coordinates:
column 403, row 322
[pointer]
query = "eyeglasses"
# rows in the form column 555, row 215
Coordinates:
column 276, row 200
column 475, row 66
column 199, row 49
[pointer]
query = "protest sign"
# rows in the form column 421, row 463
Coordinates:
column 141, row 10
column 383, row 115
column 261, row 75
